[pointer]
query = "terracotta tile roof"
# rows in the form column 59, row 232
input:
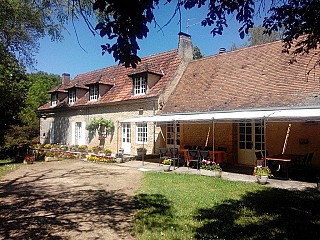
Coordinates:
column 255, row 77
column 165, row 63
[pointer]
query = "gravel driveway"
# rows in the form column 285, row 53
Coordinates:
column 68, row 199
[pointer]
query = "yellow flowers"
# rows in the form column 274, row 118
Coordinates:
column 106, row 159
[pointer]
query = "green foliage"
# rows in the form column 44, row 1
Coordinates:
column 13, row 89
column 212, row 167
column 197, row 54
column 258, row 35
column 101, row 125
column 182, row 206
column 124, row 25
column 7, row 166
column 40, row 84
column 262, row 171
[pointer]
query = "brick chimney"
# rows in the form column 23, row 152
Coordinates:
column 185, row 48
column 65, row 78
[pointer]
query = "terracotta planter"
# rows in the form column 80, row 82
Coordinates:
column 166, row 168
column 262, row 179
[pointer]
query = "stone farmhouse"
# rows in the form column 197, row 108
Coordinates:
column 241, row 102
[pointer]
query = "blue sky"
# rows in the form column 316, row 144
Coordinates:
column 68, row 57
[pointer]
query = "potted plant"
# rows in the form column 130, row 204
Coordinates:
column 214, row 168
column 166, row 164
column 262, row 174
column 107, row 152
column 96, row 149
column 141, row 151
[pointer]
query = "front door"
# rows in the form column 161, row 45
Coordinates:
column 126, row 138
column 251, row 139
column 78, row 133
column 173, row 135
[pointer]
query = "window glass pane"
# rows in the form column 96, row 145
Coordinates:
column 242, row 145
column 248, row 145
column 139, row 85
column 242, row 137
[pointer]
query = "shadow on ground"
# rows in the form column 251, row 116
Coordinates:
column 38, row 206
column 267, row 214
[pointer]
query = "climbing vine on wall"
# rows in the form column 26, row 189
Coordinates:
column 103, row 126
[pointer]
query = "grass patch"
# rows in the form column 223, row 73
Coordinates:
column 7, row 166
column 177, row 206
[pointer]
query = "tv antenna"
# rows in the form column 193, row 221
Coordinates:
column 188, row 26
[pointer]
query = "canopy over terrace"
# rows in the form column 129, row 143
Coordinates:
column 274, row 115
column 302, row 114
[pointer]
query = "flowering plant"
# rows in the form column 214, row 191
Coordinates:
column 82, row 148
column 53, row 153
column 107, row 159
column 262, row 171
column 211, row 166
column 166, row 161
column 47, row 146
column 29, row 159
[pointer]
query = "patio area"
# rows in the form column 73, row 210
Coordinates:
column 233, row 173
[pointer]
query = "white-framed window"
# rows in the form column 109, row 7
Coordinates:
column 54, row 99
column 72, row 96
column 139, row 84
column 93, row 93
column 142, row 133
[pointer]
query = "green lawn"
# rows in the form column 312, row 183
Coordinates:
column 177, row 206
column 6, row 166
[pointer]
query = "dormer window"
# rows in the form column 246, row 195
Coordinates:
column 54, row 99
column 71, row 96
column 139, row 84
column 93, row 93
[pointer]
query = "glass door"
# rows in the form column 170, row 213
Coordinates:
column 173, row 135
column 251, row 139
column 126, row 138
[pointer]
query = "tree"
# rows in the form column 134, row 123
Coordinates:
column 257, row 36
column 23, row 23
column 39, row 85
column 13, row 89
column 27, row 127
column 125, row 22
column 197, row 54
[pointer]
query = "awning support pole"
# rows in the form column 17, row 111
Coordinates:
column 265, row 140
column 213, row 140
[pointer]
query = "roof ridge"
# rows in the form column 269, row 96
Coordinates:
column 238, row 50
column 116, row 66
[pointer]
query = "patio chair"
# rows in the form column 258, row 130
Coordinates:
column 175, row 156
column 194, row 157
column 204, row 155
column 163, row 154
column 309, row 160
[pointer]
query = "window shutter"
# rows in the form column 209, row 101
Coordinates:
column 83, row 133
column 73, row 133
column 51, row 132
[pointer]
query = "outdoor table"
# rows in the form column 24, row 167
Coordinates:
column 283, row 159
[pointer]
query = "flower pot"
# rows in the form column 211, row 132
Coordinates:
column 166, row 168
column 262, row 179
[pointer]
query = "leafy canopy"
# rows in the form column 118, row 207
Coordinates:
column 123, row 22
